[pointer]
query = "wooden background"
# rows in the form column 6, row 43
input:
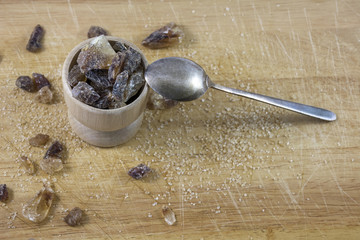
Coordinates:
column 229, row 167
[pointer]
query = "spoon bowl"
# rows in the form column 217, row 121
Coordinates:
column 177, row 78
column 181, row 79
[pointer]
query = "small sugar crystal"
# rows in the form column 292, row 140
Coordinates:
column 26, row 83
column 95, row 31
column 37, row 208
column 39, row 140
column 75, row 76
column 164, row 37
column 85, row 93
column 34, row 43
column 98, row 54
column 44, row 95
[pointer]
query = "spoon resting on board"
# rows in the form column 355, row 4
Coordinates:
column 181, row 79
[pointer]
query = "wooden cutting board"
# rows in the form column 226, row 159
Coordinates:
column 229, row 167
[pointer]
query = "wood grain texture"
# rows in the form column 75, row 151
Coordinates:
column 229, row 167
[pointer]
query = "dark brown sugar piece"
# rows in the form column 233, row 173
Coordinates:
column 139, row 171
column 40, row 81
column 119, row 47
column 74, row 217
column 75, row 76
column 164, row 37
column 116, row 66
column 99, row 80
column 55, row 150
column 26, row 83
column 104, row 101
column 95, row 31
column 135, row 83
column 132, row 60
column 4, row 195
column 119, row 87
column 85, row 93
column 34, row 43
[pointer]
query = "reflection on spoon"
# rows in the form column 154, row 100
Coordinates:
column 181, row 79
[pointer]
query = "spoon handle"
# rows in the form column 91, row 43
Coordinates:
column 292, row 106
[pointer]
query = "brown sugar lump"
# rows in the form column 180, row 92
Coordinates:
column 164, row 37
column 34, row 43
column 95, row 31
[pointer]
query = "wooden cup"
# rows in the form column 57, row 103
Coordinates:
column 103, row 127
